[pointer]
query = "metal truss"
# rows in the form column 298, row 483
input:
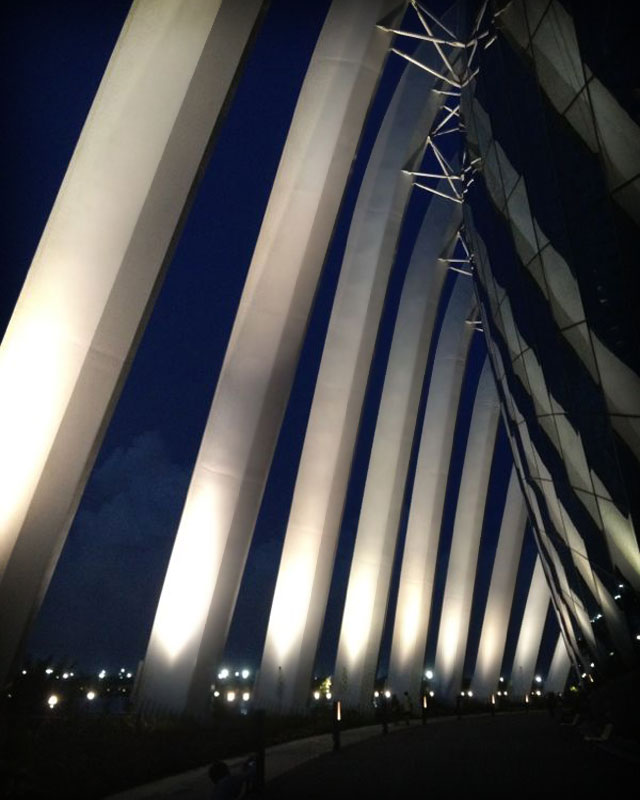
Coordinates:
column 457, row 73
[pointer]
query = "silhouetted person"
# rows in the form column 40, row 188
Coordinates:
column 395, row 709
column 551, row 704
column 383, row 713
column 227, row 786
column 407, row 708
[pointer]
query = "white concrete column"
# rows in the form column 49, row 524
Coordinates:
column 96, row 272
column 368, row 586
column 465, row 542
column 425, row 515
column 559, row 669
column 228, row 480
column 500, row 598
column 531, row 630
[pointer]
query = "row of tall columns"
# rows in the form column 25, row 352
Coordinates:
column 206, row 565
column 493, row 636
column 96, row 272
column 368, row 587
column 467, row 528
column 81, row 313
column 311, row 538
column 415, row 592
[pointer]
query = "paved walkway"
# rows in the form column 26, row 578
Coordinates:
column 523, row 755
column 195, row 784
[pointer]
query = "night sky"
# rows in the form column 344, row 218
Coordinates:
column 101, row 601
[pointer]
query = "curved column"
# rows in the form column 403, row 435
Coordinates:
column 370, row 574
column 500, row 598
column 312, row 532
column 465, row 542
column 427, row 500
column 531, row 630
column 96, row 272
column 228, row 480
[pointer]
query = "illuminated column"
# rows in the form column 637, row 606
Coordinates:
column 432, row 471
column 530, row 637
column 368, row 586
column 500, row 597
column 228, row 480
column 310, row 543
column 95, row 274
column 465, row 542
column 559, row 669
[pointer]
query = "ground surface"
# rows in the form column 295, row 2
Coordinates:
column 515, row 755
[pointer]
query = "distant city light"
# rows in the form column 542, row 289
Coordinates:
column 24, row 671
column 376, row 694
column 504, row 693
column 501, row 680
column 538, row 692
column 245, row 696
column 429, row 674
column 231, row 696
column 538, row 679
column 387, row 694
column 499, row 694
column 91, row 695
column 53, row 700
column 102, row 674
column 245, row 673
column 592, row 665
column 49, row 671
column 65, row 675
column 584, row 675
column 216, row 693
column 432, row 693
column 224, row 673
column 129, row 675
column 637, row 637
column 316, row 695
column 329, row 695
column 470, row 694
column 617, row 596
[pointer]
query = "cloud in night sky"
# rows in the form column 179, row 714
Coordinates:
column 101, row 600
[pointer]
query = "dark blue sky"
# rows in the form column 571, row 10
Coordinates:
column 101, row 601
